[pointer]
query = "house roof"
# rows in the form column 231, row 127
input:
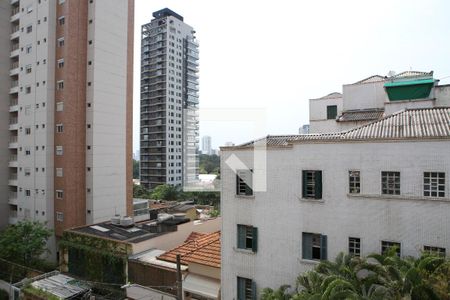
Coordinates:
column 361, row 115
column 194, row 235
column 410, row 124
column 408, row 74
column 204, row 250
column 330, row 96
column 373, row 78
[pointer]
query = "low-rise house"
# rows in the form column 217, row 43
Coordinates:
column 384, row 184
column 100, row 252
column 200, row 265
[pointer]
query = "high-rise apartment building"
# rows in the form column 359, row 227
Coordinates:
column 169, row 101
column 206, row 145
column 66, row 111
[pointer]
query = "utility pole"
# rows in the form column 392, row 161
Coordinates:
column 179, row 279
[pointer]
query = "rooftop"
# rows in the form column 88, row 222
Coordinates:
column 59, row 285
column 165, row 12
column 409, row 124
column 135, row 233
column 361, row 115
column 204, row 250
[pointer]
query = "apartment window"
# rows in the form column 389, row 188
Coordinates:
column 28, row 69
column 312, row 184
column 354, row 246
column 28, row 131
column 434, row 250
column 61, row 63
column 59, row 106
column 247, row 237
column 390, row 183
column 27, row 89
column 354, row 181
column 59, row 172
column 59, row 128
column 29, row 9
column 434, row 184
column 28, row 193
column 59, row 216
column 386, row 245
column 29, row 28
column 60, row 42
column 59, row 194
column 59, row 150
column 60, row 84
column 314, row 246
column 61, row 20
column 246, row 289
column 27, row 171
column 244, row 182
column 27, row 151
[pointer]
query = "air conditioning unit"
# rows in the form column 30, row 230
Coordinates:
column 126, row 221
column 115, row 220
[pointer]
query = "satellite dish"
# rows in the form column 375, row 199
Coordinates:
column 391, row 73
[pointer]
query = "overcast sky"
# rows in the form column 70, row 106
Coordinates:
column 270, row 57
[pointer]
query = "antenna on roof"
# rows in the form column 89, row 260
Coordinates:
column 391, row 73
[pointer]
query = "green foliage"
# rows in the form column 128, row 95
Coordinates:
column 24, row 242
column 166, row 192
column 39, row 293
column 140, row 192
column 4, row 295
column 376, row 277
column 209, row 164
column 135, row 169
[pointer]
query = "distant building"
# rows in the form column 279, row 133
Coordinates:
column 228, row 144
column 304, row 129
column 206, row 145
column 169, row 101
column 376, row 97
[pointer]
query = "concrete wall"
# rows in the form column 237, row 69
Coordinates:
column 281, row 215
column 364, row 95
column 442, row 94
column 171, row 240
column 318, row 115
column 5, row 83
column 204, row 270
column 107, row 49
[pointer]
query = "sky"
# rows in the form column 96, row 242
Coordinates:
column 265, row 59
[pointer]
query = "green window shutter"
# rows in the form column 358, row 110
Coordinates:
column 323, row 247
column 331, row 112
column 248, row 189
column 237, row 183
column 255, row 239
column 241, row 237
column 240, row 288
column 318, row 184
column 253, row 290
column 306, row 245
column 304, row 183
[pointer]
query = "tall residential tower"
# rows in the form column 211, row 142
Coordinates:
column 169, row 101
column 66, row 111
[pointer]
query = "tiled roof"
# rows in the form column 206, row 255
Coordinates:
column 194, row 235
column 204, row 250
column 331, row 96
column 424, row 123
column 373, row 78
column 412, row 74
column 361, row 115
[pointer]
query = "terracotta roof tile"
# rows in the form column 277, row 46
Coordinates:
column 204, row 250
column 194, row 235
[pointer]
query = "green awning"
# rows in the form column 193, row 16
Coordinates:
column 409, row 90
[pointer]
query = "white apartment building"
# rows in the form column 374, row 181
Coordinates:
column 206, row 145
column 372, row 98
column 66, row 111
column 169, row 101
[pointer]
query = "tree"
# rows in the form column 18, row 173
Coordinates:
column 24, row 242
column 140, row 192
column 135, row 169
column 166, row 192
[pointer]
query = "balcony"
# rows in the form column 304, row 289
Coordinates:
column 14, row 69
column 14, row 53
column 15, row 14
column 12, row 198
column 14, row 87
column 13, row 161
column 13, row 219
column 12, row 179
column 13, row 105
column 15, row 32
column 13, row 124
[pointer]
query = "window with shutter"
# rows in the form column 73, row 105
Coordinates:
column 244, row 182
column 246, row 289
column 247, row 237
column 312, row 184
column 314, row 246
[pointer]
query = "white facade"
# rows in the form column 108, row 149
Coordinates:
column 367, row 100
column 281, row 214
column 206, row 145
